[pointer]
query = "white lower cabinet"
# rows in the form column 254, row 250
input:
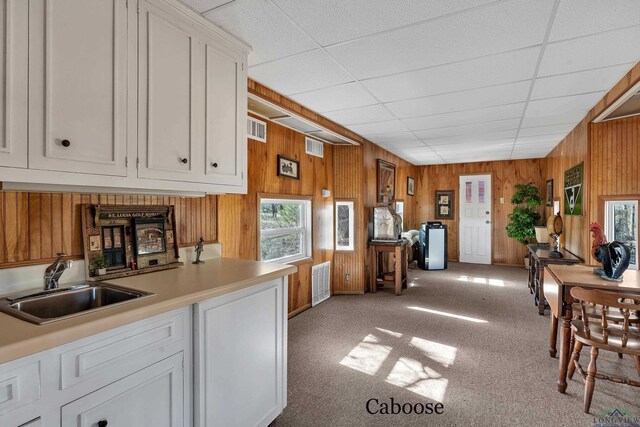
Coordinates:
column 240, row 369
column 152, row 397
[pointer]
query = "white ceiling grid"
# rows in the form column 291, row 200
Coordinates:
column 440, row 81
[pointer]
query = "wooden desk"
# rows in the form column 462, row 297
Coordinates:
column 538, row 259
column 564, row 277
column 397, row 277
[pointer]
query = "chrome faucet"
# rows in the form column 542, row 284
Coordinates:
column 54, row 271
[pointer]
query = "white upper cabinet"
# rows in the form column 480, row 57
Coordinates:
column 171, row 93
column 13, row 82
column 226, row 114
column 78, row 86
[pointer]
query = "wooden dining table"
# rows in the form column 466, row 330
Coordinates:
column 557, row 289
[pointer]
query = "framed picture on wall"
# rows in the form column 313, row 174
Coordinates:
column 411, row 186
column 444, row 204
column 549, row 193
column 288, row 168
column 386, row 182
column 573, row 189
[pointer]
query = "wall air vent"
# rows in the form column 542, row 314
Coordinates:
column 256, row 129
column 314, row 147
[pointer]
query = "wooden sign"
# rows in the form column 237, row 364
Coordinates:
column 122, row 240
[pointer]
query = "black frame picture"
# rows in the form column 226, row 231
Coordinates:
column 411, row 186
column 288, row 168
column 386, row 176
column 549, row 193
column 444, row 203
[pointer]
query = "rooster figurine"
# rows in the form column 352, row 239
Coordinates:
column 597, row 234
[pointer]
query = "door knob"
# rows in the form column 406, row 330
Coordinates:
column 184, row 160
column 215, row 165
column 487, row 212
column 65, row 143
column 488, row 222
column 103, row 423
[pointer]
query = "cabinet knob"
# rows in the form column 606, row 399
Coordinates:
column 65, row 143
column 103, row 423
column 184, row 160
column 215, row 165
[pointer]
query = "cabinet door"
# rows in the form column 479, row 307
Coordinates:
column 152, row 397
column 171, row 95
column 14, row 27
column 240, row 367
column 78, row 86
column 226, row 116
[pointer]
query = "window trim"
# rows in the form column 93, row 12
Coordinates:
column 352, row 226
column 606, row 220
column 307, row 231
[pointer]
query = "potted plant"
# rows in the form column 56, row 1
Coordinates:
column 99, row 265
column 525, row 214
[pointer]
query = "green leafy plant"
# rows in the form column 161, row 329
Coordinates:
column 525, row 214
column 99, row 262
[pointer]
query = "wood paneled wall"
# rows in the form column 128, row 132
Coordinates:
column 356, row 176
column 504, row 176
column 615, row 161
column 34, row 227
column 592, row 143
column 238, row 214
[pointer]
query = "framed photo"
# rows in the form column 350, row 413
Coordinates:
column 411, row 186
column 386, row 180
column 549, row 193
column 444, row 204
column 149, row 236
column 288, row 168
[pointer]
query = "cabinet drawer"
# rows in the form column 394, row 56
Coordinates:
column 115, row 354
column 19, row 386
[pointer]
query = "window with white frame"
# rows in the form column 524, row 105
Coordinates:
column 400, row 211
column 621, row 224
column 345, row 225
column 285, row 229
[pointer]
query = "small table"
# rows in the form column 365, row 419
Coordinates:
column 538, row 259
column 397, row 277
column 558, row 290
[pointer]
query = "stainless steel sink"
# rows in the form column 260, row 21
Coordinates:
column 57, row 304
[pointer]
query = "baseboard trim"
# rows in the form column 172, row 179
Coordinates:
column 348, row 292
column 299, row 310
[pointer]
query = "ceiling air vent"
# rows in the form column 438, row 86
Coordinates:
column 256, row 129
column 314, row 147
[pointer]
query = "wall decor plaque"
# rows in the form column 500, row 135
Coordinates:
column 573, row 189
column 444, row 204
column 131, row 239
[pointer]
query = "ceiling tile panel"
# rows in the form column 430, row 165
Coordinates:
column 575, row 18
column 390, row 138
column 333, row 98
column 473, row 129
column 498, row 27
column 354, row 116
column 466, row 117
column 333, row 21
column 563, row 105
column 264, row 27
column 600, row 50
column 546, row 130
column 375, row 128
column 581, row 82
column 460, row 101
column 557, row 119
column 304, row 72
column 486, row 71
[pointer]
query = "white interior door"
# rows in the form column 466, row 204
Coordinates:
column 474, row 229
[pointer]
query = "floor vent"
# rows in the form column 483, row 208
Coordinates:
column 320, row 283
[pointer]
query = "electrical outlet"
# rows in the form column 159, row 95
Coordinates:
column 347, row 276
column 502, row 200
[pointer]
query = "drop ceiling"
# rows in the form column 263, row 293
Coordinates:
column 440, row 81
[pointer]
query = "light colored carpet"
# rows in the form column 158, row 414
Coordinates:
column 490, row 367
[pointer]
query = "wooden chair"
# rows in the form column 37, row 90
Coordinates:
column 603, row 334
